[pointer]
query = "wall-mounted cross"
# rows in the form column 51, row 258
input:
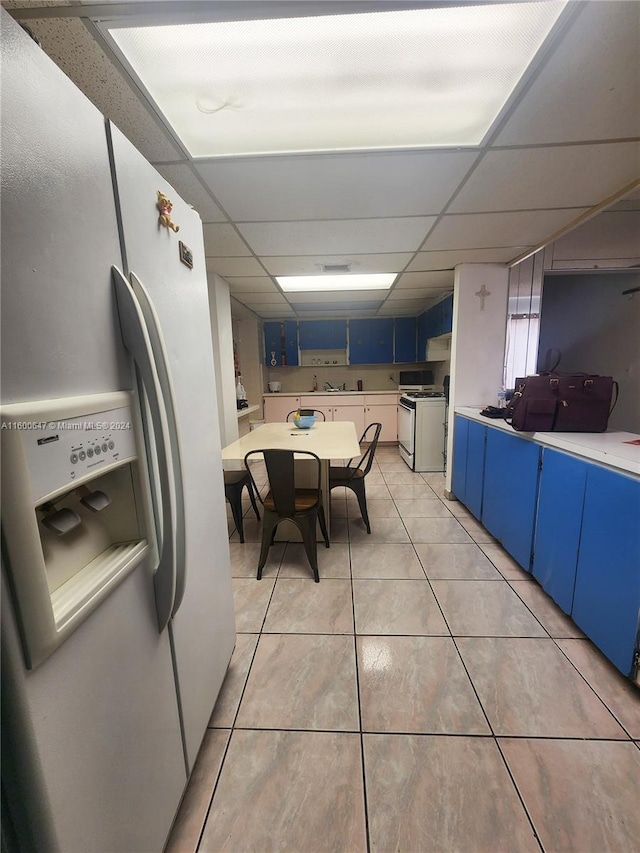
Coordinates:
column 482, row 295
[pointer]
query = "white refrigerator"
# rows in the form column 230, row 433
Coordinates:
column 100, row 730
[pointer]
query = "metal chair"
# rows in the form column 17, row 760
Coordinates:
column 316, row 412
column 287, row 501
column 234, row 483
column 353, row 476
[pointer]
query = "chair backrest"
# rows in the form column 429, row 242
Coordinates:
column 280, row 465
column 371, row 435
column 316, row 412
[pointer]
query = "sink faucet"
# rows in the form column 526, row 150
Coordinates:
column 329, row 387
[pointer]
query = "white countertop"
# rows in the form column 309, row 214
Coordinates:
column 321, row 393
column 608, row 448
column 250, row 410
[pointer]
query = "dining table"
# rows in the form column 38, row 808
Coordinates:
column 329, row 440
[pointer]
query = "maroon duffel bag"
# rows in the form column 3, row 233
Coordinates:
column 557, row 402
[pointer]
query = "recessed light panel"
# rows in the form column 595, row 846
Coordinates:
column 361, row 281
column 399, row 79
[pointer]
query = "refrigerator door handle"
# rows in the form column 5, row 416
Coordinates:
column 135, row 337
column 161, row 361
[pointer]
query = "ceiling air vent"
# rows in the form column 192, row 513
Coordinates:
column 336, row 267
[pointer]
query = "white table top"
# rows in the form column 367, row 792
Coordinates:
column 327, row 440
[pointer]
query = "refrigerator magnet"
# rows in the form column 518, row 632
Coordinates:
column 165, row 206
column 186, row 255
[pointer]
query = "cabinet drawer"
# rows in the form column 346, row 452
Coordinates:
column 317, row 400
column 381, row 399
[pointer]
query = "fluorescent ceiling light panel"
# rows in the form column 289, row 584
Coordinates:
column 398, row 79
column 319, row 283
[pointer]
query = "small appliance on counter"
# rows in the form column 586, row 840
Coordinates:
column 275, row 387
column 416, row 380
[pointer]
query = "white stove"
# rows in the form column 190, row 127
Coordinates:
column 421, row 427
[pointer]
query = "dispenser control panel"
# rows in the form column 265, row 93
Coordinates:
column 61, row 451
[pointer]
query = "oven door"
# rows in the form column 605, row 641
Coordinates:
column 406, row 432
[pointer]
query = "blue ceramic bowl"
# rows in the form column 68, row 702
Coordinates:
column 305, row 421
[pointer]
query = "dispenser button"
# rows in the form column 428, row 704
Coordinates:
column 74, row 458
column 82, row 455
column 111, row 445
column 105, row 446
column 90, row 452
column 97, row 450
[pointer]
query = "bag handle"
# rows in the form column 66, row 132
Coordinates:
column 548, row 357
column 617, row 390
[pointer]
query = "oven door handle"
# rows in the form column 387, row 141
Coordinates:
column 405, row 407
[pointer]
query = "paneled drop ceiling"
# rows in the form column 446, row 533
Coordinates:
column 567, row 142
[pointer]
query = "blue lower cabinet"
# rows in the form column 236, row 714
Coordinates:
column 510, row 492
column 459, row 471
column 607, row 592
column 557, row 538
column 476, row 444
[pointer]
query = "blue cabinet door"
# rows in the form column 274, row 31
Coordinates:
column 607, row 592
column 404, row 340
column 476, row 450
column 272, row 344
column 446, row 316
column 557, row 537
column 281, row 339
column 359, row 341
column 323, row 334
column 421, row 336
column 510, row 492
column 381, row 341
column 291, row 342
column 459, row 472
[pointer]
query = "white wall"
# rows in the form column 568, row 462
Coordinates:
column 477, row 344
column 222, row 334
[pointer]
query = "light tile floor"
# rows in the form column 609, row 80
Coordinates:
column 425, row 696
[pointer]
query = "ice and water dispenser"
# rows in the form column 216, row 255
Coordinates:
column 74, row 512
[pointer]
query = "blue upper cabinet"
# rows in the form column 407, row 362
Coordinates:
column 446, row 315
column 323, row 334
column 381, row 341
column 371, row 341
column 281, row 344
column 405, row 340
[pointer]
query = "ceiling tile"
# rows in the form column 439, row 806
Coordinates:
column 400, row 309
column 337, row 186
column 449, row 260
column 615, row 233
column 590, row 87
column 309, row 265
column 261, row 298
column 269, row 310
column 68, row 42
column 234, row 266
column 534, row 178
column 339, row 296
column 370, row 305
column 187, row 185
column 222, row 240
column 439, row 278
column 251, row 284
column 338, row 236
column 483, row 230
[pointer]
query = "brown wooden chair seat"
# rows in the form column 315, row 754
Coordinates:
column 286, row 501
